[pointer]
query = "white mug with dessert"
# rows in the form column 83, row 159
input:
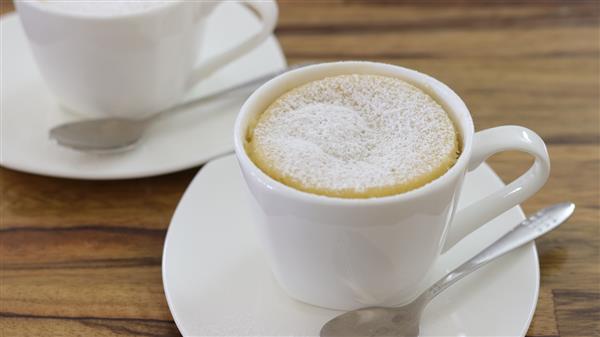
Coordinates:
column 127, row 59
column 356, row 168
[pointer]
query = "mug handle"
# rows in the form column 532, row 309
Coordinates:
column 485, row 144
column 267, row 10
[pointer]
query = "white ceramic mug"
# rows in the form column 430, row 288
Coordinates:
column 129, row 65
column 350, row 253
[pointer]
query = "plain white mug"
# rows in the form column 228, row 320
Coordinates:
column 350, row 253
column 129, row 65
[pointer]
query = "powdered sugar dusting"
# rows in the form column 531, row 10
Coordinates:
column 354, row 133
column 103, row 7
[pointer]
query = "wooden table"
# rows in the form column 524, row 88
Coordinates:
column 83, row 258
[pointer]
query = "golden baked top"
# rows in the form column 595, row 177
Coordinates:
column 354, row 136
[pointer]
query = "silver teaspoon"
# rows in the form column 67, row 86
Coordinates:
column 404, row 321
column 118, row 134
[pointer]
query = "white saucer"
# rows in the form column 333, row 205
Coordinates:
column 217, row 282
column 178, row 142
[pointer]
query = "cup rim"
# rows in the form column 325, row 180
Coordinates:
column 35, row 4
column 440, row 91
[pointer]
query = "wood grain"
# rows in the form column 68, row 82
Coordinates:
column 81, row 258
column 34, row 201
column 580, row 309
column 27, row 326
column 544, row 320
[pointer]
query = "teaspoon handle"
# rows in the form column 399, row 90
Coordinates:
column 245, row 87
column 531, row 228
